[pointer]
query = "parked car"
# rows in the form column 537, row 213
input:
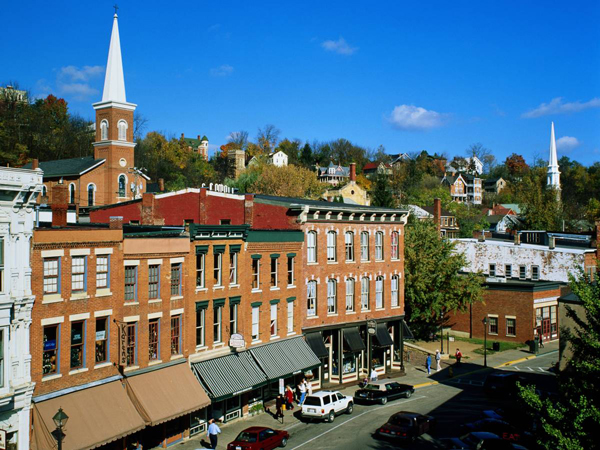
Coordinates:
column 502, row 384
column 406, row 425
column 326, row 405
column 383, row 390
column 499, row 427
column 481, row 440
column 259, row 438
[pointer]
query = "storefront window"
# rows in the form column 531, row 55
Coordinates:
column 378, row 357
column 232, row 403
column 349, row 363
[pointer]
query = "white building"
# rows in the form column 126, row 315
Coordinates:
column 278, row 159
column 19, row 189
column 472, row 165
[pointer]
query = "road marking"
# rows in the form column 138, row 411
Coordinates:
column 541, row 369
column 530, row 369
column 517, row 367
column 356, row 417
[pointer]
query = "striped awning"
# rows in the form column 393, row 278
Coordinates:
column 285, row 358
column 229, row 375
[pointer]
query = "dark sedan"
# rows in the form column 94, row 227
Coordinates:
column 382, row 391
column 406, row 425
column 263, row 438
column 503, row 429
column 481, row 440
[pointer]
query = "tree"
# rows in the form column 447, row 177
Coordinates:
column 291, row 149
column 306, row 156
column 434, row 286
column 267, row 138
column 238, row 140
column 381, row 156
column 382, row 194
column 483, row 154
column 469, row 219
column 516, row 165
column 139, row 125
column 541, row 208
column 572, row 420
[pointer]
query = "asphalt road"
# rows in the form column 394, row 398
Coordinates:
column 542, row 364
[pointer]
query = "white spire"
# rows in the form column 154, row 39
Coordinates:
column 114, row 82
column 553, row 173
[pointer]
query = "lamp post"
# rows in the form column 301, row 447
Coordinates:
column 485, row 321
column 442, row 330
column 60, row 420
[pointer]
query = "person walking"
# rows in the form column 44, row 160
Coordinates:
column 438, row 359
column 289, row 396
column 428, row 364
column 458, row 356
column 279, row 407
column 308, row 387
column 213, row 432
column 302, row 389
column 373, row 374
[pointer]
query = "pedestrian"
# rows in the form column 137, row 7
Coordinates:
column 428, row 364
column 302, row 390
column 373, row 374
column 213, row 432
column 438, row 359
column 289, row 396
column 308, row 387
column 279, row 407
column 458, row 356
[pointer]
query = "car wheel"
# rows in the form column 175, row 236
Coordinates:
column 350, row 408
column 331, row 417
column 408, row 394
column 283, row 442
column 383, row 400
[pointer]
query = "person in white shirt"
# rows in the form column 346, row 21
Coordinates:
column 373, row 375
column 302, row 389
column 213, row 432
column 308, row 387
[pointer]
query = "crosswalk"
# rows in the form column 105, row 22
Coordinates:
column 464, row 381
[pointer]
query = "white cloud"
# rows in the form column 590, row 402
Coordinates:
column 86, row 73
column 221, row 71
column 567, row 143
column 341, row 47
column 75, row 82
column 410, row 117
column 556, row 106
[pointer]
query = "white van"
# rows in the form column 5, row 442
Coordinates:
column 326, row 405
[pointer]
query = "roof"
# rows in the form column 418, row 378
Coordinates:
column 288, row 201
column 68, row 167
column 284, row 358
column 571, row 297
column 429, row 209
column 514, row 206
column 340, row 171
column 491, row 181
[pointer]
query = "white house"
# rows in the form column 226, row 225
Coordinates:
column 19, row 189
column 278, row 159
column 472, row 162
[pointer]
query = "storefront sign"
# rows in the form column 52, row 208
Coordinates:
column 122, row 344
column 372, row 326
column 100, row 335
column 451, row 338
column 237, row 341
column 2, row 440
column 50, row 344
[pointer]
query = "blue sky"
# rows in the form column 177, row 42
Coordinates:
column 408, row 75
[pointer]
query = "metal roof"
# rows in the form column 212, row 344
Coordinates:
column 284, row 358
column 67, row 167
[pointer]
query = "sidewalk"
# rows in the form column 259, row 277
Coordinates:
column 416, row 375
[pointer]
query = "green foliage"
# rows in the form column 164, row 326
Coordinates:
column 541, row 209
column 572, row 421
column 382, row 194
column 434, row 286
column 469, row 218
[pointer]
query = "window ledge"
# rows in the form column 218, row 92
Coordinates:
column 79, row 297
column 52, row 377
column 379, row 309
column 396, row 307
column 218, row 288
column 155, row 300
column 201, row 289
column 103, row 293
column 218, row 345
column 350, row 312
column 52, row 298
column 380, row 260
column 350, row 261
column 131, row 303
column 274, row 338
column 104, row 364
column 365, row 310
column 76, row 371
column 291, row 286
column 201, row 348
column 332, row 314
column 179, row 356
column 156, row 361
column 312, row 317
column 274, row 288
column 256, row 291
column 395, row 259
column 312, row 263
column 258, row 341
column 292, row 333
column 130, row 368
column 177, row 297
column 332, row 262
column 234, row 286
column 511, row 335
column 492, row 334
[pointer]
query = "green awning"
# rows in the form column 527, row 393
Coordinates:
column 315, row 342
column 382, row 336
column 282, row 359
column 353, row 340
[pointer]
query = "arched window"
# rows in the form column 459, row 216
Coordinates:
column 395, row 289
column 331, row 246
column 350, row 294
column 122, row 127
column 91, row 191
column 331, row 296
column 122, row 185
column 395, row 245
column 379, row 246
column 44, row 190
column 71, row 193
column 364, row 246
column 311, row 246
column 311, row 297
column 104, row 130
column 349, row 239
column 364, row 293
column 379, row 293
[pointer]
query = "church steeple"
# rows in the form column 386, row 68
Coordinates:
column 553, row 173
column 114, row 81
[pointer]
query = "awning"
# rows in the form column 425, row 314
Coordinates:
column 406, row 333
column 284, row 358
column 167, row 393
column 382, row 336
column 315, row 342
column 353, row 339
column 97, row 415
column 229, row 375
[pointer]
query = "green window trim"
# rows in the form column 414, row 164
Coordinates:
column 201, row 249
column 235, row 248
column 235, row 300
column 255, row 304
column 219, row 248
column 275, row 255
column 291, row 255
column 256, row 256
column 291, row 299
column 218, row 302
column 274, row 301
column 202, row 305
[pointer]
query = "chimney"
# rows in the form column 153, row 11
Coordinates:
column 437, row 213
column 147, row 216
column 353, row 172
column 248, row 209
column 517, row 238
column 203, row 206
column 116, row 223
column 482, row 236
column 161, row 185
column 199, row 138
column 59, row 205
column 551, row 242
column 330, row 199
column 35, row 164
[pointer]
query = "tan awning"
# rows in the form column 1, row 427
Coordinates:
column 97, row 416
column 165, row 394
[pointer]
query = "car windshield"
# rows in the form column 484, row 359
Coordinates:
column 372, row 387
column 244, row 436
column 401, row 421
column 312, row 401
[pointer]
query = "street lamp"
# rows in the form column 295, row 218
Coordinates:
column 442, row 331
column 485, row 321
column 60, row 420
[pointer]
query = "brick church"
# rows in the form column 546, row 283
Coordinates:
column 109, row 176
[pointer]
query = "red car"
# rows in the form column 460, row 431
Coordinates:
column 259, row 438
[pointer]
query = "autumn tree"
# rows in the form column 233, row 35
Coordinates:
column 267, row 138
column 516, row 165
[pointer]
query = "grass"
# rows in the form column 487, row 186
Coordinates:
column 480, row 351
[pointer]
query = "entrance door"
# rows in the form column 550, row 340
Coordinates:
column 546, row 329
